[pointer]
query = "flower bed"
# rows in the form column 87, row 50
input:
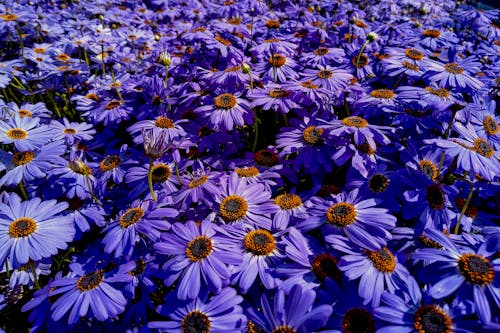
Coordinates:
column 249, row 166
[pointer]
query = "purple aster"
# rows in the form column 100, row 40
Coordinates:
column 163, row 178
column 360, row 220
column 308, row 263
column 38, row 110
column 410, row 61
column 227, row 111
column 473, row 272
column 274, row 46
column 323, row 56
column 26, row 133
column 72, row 132
column 453, row 74
column 377, row 270
column 433, row 95
column 295, row 312
column 277, row 68
column 290, row 208
column 87, row 294
column 33, row 229
column 199, row 256
column 30, row 165
column 273, row 97
column 76, row 176
column 109, row 111
column 162, row 124
column 239, row 201
column 419, row 315
column 475, row 154
column 199, row 187
column 435, row 38
column 84, row 213
column 25, row 275
column 485, row 121
column 219, row 313
column 306, row 143
column 144, row 219
column 335, row 80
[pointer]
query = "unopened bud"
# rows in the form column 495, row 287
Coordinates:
column 165, row 59
column 371, row 37
column 245, row 68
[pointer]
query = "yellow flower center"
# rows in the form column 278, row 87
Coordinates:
column 22, row 157
column 453, row 68
column 431, row 318
column 325, row 74
column 382, row 93
column 9, row 17
column 320, row 51
column 247, row 172
column 24, row 113
column 279, row 93
column 490, row 125
column 112, row 104
column 195, row 321
column 283, row 329
column 17, row 134
column 277, row 60
column 90, row 281
column 341, row 214
column 355, row 121
column 130, row 217
column 259, row 242
column 432, row 33
column 109, row 163
column 382, row 260
column 429, row 169
column 288, row 201
column 199, row 248
column 69, row 131
column 414, row 54
column 233, row 208
column 225, row 101
column 222, row 41
column 273, row 24
column 476, row 269
column 161, row 173
column 440, row 92
column 483, row 148
column 198, row 181
column 80, row 168
column 312, row 135
column 164, row 122
column 22, row 227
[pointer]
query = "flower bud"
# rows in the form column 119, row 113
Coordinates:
column 164, row 58
column 371, row 37
column 245, row 68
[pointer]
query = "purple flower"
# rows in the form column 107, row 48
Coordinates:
column 199, row 258
column 25, row 133
column 33, row 229
column 228, row 111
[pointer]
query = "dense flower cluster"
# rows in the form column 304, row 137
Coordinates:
column 249, row 166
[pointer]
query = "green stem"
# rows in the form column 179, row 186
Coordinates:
column 464, row 208
column 89, row 185
column 445, row 136
column 86, row 56
column 21, row 44
column 56, row 108
column 359, row 56
column 166, row 76
column 23, row 191
column 7, row 270
column 35, row 276
column 177, row 173
column 150, row 179
column 114, row 84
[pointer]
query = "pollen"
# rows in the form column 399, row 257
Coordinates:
column 382, row 93
column 432, row 33
column 476, row 269
column 69, row 131
column 324, row 266
column 24, row 113
column 414, row 54
column 283, row 329
column 427, row 242
column 22, row 227
column 272, row 24
column 411, row 66
column 358, row 320
column 313, row 135
column 130, row 217
column 321, row 51
column 325, row 74
column 164, row 122
column 482, row 147
column 222, row 41
column 259, row 242
column 363, row 61
column 9, row 17
column 199, row 248
column 63, row 57
column 196, row 321
column 277, row 60
column 92, row 96
column 378, row 183
column 490, row 125
column 22, row 158
column 355, row 121
column 279, row 93
column 109, row 163
column 429, row 169
column 309, row 85
column 225, row 101
column 453, row 68
column 440, row 92
column 90, row 281
column 197, row 182
column 435, row 197
column 112, row 104
column 341, row 214
column 161, row 173
column 288, row 201
column 431, row 318
column 17, row 134
column 233, row 208
column 382, row 260
column 247, row 172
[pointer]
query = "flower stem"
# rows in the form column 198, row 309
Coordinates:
column 115, row 85
column 359, row 55
column 35, row 276
column 23, row 191
column 464, row 208
column 150, row 179
column 89, row 185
